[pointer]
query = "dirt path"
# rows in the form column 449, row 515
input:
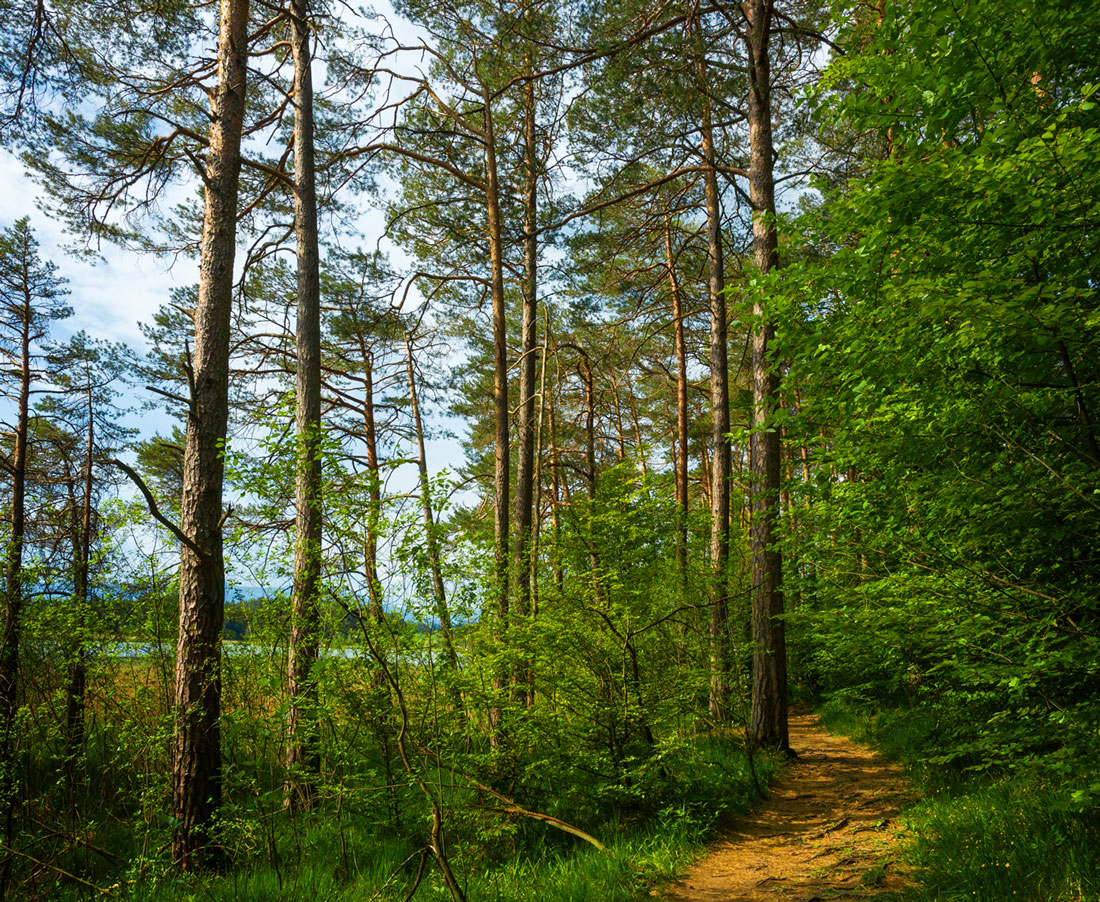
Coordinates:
column 828, row 831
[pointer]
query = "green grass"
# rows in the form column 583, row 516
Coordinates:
column 324, row 857
column 974, row 838
column 1003, row 841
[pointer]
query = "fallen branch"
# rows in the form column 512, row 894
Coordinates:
column 77, row 841
column 54, row 867
column 538, row 816
column 516, row 809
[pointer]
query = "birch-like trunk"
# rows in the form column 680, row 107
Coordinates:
column 720, row 412
column 435, row 563
column 681, row 414
column 525, row 426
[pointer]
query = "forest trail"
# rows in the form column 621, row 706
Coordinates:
column 827, row 831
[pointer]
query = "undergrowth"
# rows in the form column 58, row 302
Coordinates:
column 342, row 856
column 980, row 836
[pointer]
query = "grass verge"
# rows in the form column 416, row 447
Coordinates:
column 978, row 838
column 340, row 859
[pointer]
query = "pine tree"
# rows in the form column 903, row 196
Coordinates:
column 31, row 299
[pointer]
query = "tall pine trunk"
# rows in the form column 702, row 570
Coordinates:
column 769, row 670
column 536, row 529
column 303, row 756
column 13, row 592
column 196, row 744
column 526, row 434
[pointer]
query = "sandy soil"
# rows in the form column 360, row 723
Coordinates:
column 828, row 831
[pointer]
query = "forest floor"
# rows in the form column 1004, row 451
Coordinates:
column 827, row 831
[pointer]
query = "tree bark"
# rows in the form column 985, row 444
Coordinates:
column 526, row 435
column 769, row 688
column 13, row 589
column 303, row 756
column 720, row 408
column 196, row 745
column 525, row 427
column 1084, row 420
column 501, row 466
column 590, row 463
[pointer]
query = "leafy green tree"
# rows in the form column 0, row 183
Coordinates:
column 945, row 350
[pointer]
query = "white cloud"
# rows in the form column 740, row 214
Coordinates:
column 109, row 296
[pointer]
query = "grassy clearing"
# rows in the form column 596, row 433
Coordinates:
column 978, row 838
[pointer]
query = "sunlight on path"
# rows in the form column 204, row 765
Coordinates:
column 828, row 831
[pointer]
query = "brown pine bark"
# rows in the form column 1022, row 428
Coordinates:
column 769, row 686
column 303, row 756
column 13, row 589
column 636, row 422
column 196, row 744
column 619, row 434
column 584, row 370
column 590, row 459
column 589, row 424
